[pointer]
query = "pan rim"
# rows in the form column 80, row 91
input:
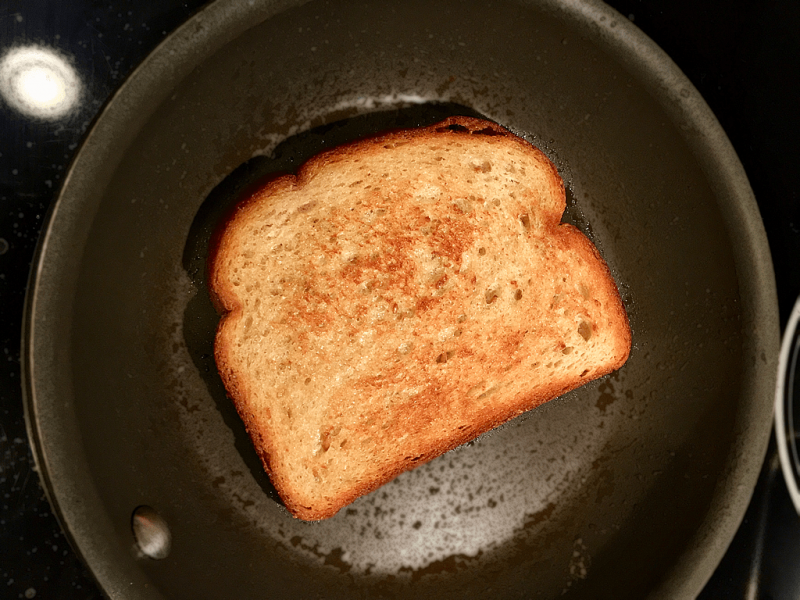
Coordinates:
column 223, row 20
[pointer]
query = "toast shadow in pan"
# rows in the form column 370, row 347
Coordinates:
column 200, row 319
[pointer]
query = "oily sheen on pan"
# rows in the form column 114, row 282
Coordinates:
column 399, row 296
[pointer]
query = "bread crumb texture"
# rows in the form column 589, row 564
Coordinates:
column 400, row 296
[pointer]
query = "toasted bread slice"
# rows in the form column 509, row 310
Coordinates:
column 399, row 296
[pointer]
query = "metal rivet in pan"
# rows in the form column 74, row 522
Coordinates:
column 151, row 532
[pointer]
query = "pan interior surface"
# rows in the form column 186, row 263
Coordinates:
column 603, row 493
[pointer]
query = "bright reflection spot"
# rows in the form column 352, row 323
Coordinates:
column 38, row 82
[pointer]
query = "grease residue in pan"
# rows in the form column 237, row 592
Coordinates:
column 471, row 503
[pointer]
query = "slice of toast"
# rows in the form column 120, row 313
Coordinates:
column 399, row 296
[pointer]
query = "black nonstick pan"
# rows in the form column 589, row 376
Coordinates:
column 630, row 487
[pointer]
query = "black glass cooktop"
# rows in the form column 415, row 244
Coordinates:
column 743, row 56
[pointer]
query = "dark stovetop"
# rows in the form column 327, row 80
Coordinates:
column 743, row 56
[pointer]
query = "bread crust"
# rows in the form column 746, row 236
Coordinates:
column 426, row 410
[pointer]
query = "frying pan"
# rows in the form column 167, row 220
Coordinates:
column 632, row 486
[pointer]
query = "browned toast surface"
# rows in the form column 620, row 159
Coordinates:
column 399, row 296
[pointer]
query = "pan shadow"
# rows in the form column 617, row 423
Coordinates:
column 200, row 319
